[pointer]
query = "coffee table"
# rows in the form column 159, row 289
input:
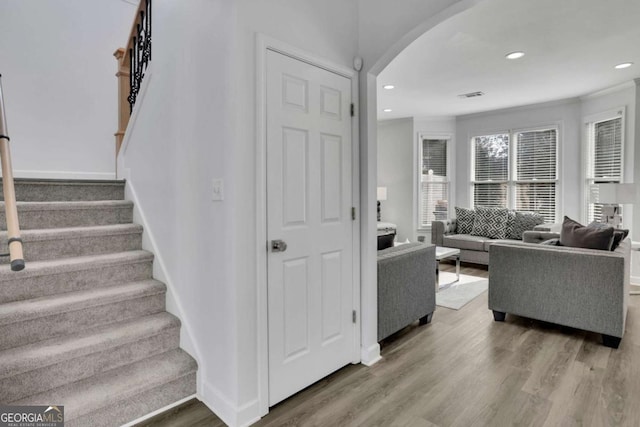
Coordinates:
column 444, row 253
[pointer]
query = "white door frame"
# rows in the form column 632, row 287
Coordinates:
column 263, row 44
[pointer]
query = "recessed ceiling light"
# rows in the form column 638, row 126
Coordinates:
column 514, row 55
column 387, row 110
column 388, row 87
column 624, row 65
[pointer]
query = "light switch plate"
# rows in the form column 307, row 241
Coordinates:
column 218, row 189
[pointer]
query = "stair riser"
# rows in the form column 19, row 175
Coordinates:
column 62, row 218
column 46, row 327
column 51, row 284
column 72, row 370
column 67, row 192
column 80, row 246
column 144, row 403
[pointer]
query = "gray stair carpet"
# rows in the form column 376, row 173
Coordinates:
column 84, row 325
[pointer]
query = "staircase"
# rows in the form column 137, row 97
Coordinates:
column 84, row 324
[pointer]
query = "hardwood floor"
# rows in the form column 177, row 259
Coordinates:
column 464, row 369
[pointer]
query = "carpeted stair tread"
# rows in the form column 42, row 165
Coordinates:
column 37, row 367
column 53, row 243
column 74, row 232
column 41, row 215
column 20, row 311
column 53, row 266
column 64, row 189
column 57, row 276
column 115, row 387
column 45, row 353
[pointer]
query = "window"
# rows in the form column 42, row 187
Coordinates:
column 517, row 170
column 604, row 162
column 433, row 197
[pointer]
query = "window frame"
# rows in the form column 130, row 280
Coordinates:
column 589, row 152
column 512, row 177
column 421, row 136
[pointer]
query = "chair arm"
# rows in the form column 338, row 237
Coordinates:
column 538, row 236
column 581, row 288
column 441, row 228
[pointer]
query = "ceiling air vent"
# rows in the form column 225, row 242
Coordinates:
column 471, row 94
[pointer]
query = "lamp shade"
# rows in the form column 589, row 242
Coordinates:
column 619, row 194
column 382, row 193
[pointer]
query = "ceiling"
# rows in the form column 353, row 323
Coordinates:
column 571, row 48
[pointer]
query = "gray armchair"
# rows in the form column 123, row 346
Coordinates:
column 580, row 288
column 406, row 286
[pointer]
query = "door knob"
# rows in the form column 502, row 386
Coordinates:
column 278, row 246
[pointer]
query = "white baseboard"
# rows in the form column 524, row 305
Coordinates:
column 159, row 411
column 370, row 355
column 18, row 173
column 232, row 415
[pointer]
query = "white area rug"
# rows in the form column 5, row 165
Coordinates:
column 460, row 293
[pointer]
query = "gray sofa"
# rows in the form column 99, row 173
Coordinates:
column 406, row 286
column 474, row 249
column 580, row 288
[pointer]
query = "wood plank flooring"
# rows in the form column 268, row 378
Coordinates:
column 464, row 369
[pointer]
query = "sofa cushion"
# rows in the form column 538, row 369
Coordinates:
column 574, row 234
column 464, row 241
column 524, row 221
column 490, row 222
column 464, row 220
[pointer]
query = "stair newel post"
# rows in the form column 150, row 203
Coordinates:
column 11, row 211
column 123, row 95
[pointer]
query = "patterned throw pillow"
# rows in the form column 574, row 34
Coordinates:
column 524, row 221
column 511, row 222
column 490, row 222
column 464, row 220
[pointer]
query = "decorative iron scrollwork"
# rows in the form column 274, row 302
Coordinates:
column 139, row 52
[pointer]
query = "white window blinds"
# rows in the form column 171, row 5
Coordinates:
column 607, row 155
column 491, row 170
column 531, row 185
column 605, row 161
column 536, row 172
column 434, row 182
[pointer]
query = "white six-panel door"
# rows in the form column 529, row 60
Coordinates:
column 309, row 200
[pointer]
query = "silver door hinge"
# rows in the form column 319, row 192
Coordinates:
column 353, row 110
column 354, row 316
column 353, row 214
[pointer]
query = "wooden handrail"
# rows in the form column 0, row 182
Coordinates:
column 11, row 211
column 132, row 64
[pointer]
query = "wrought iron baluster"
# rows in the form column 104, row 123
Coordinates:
column 139, row 51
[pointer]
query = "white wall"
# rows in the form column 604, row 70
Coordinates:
column 565, row 114
column 197, row 122
column 58, row 69
column 395, row 158
column 178, row 141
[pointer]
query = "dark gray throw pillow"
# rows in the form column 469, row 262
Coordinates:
column 464, row 220
column 490, row 222
column 576, row 235
column 524, row 221
column 619, row 234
